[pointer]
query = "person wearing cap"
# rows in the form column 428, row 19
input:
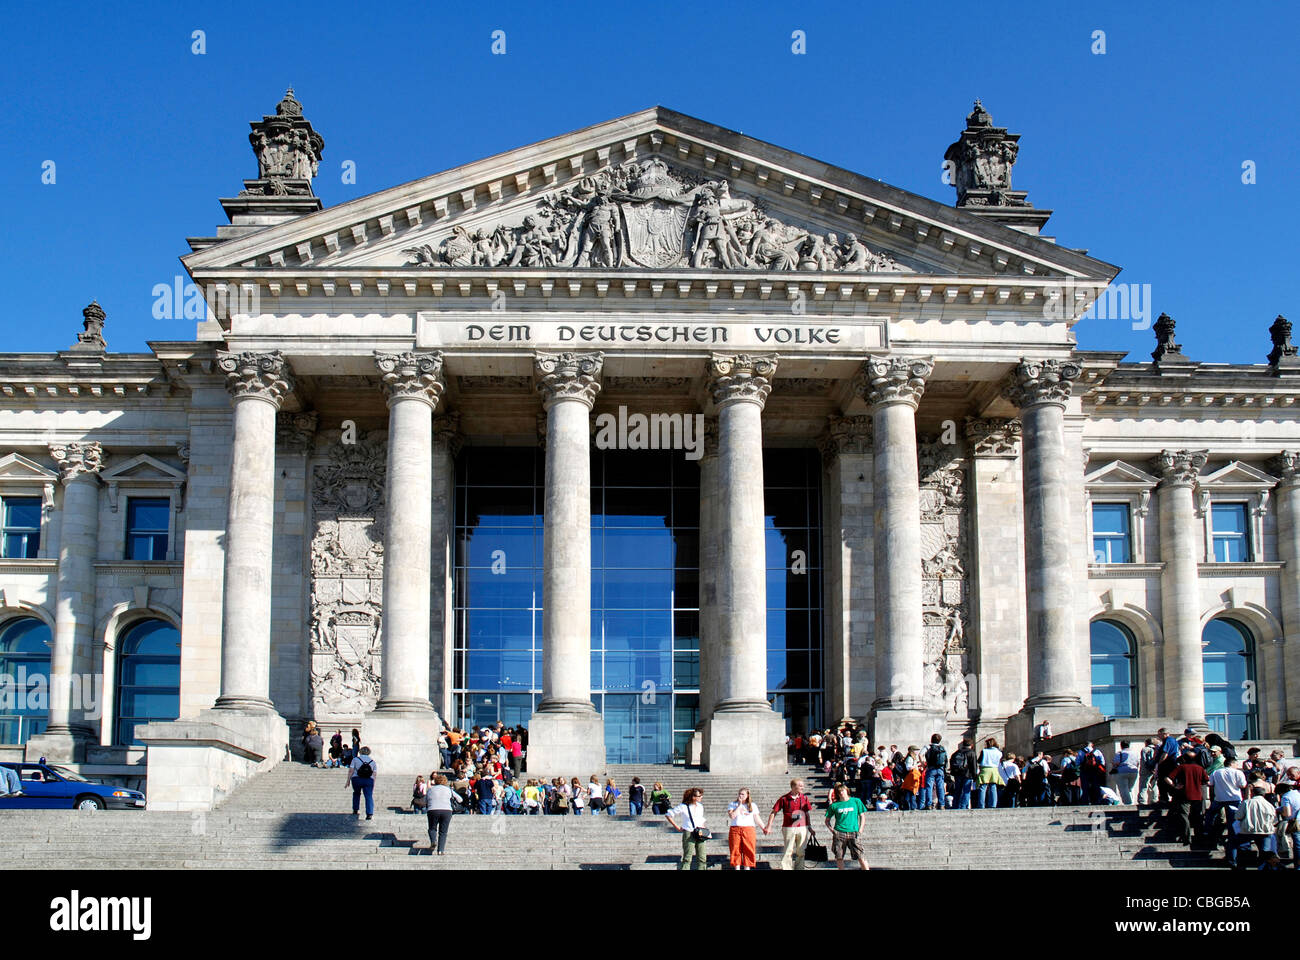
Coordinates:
column 1216, row 760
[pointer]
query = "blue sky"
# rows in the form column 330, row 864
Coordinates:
column 1139, row 151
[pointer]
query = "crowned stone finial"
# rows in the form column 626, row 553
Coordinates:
column 288, row 151
column 1284, row 351
column 91, row 337
column 1167, row 349
column 980, row 163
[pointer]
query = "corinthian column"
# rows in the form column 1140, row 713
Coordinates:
column 1041, row 389
column 402, row 730
column 892, row 388
column 1287, row 466
column 1180, row 601
column 744, row 735
column 257, row 382
column 566, row 733
column 68, row 730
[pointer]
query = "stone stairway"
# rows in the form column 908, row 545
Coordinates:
column 295, row 817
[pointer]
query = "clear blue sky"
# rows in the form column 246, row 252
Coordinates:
column 1138, row 151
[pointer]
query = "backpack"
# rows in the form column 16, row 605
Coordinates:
column 960, row 765
column 1149, row 759
column 365, row 771
column 936, row 757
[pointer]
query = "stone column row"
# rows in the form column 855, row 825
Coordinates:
column 1180, row 595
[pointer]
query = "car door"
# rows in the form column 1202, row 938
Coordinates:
column 16, row 803
column 44, row 789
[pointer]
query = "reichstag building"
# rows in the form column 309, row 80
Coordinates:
column 659, row 439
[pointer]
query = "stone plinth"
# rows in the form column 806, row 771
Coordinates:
column 905, row 726
column 193, row 764
column 403, row 742
column 745, row 743
column 566, row 743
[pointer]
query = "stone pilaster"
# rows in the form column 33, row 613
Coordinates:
column 566, row 733
column 743, row 735
column 998, row 578
column 442, row 630
column 1041, row 388
column 69, row 730
column 1180, row 600
column 708, row 561
column 402, row 730
column 892, row 387
column 1287, row 466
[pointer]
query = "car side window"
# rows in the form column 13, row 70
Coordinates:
column 34, row 775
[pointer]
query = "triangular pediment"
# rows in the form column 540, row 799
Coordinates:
column 14, row 467
column 141, row 468
column 1239, row 476
column 656, row 191
column 1118, row 474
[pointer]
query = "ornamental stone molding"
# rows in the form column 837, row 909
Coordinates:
column 77, row 460
column 296, row 432
column 1179, row 467
column 710, row 438
column 993, row 437
column 411, row 376
column 741, row 377
column 568, row 376
column 265, row 376
column 885, row 380
column 846, row 435
column 1287, row 466
column 446, row 431
column 646, row 214
column 1042, row 381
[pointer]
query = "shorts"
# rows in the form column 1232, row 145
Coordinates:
column 844, row 845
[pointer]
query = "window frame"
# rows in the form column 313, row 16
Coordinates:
column 1245, row 535
column 1120, row 482
column 1134, row 684
column 128, row 531
column 23, row 477
column 1126, row 537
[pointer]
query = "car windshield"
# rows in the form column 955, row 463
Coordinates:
column 67, row 774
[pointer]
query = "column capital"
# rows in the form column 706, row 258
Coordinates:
column 1287, row 466
column 741, row 377
column 411, row 376
column 265, row 376
column 884, row 380
column 846, row 435
column 77, row 460
column 568, row 376
column 993, row 437
column 1179, row 467
column 1041, row 381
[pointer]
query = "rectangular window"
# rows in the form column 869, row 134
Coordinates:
column 1110, row 533
column 20, row 527
column 1231, row 541
column 146, row 527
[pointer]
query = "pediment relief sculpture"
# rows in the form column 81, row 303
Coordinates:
column 648, row 215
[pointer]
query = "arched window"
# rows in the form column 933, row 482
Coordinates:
column 25, row 668
column 1114, row 669
column 148, row 676
column 1228, row 659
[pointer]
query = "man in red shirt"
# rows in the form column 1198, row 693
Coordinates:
column 1188, row 786
column 796, row 814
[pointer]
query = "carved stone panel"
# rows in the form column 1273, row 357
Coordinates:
column 943, row 577
column 347, row 563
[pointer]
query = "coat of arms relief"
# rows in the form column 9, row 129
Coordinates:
column 943, row 578
column 347, row 566
column 650, row 215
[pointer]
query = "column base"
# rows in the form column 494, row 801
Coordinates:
column 59, row 746
column 1063, row 713
column 566, row 743
column 695, row 749
column 403, row 740
column 747, row 743
column 904, row 726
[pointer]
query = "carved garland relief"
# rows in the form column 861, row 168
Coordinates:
column 943, row 578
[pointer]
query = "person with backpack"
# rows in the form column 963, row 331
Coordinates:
column 612, row 793
column 1125, row 773
column 1092, row 773
column 1148, row 788
column 660, row 799
column 962, row 766
column 936, row 762
column 362, row 773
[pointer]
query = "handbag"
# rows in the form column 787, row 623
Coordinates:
column 698, row 834
column 814, row 850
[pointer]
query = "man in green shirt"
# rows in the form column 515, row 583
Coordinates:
column 845, row 820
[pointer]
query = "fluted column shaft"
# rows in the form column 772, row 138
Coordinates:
column 1180, row 603
column 74, row 615
column 569, row 384
column 1287, row 466
column 740, row 386
column 1041, row 390
column 892, row 388
column 413, row 382
column 257, row 383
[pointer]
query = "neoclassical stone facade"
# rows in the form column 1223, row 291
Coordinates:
column 369, row 492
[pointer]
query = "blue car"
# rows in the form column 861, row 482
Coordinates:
column 48, row 786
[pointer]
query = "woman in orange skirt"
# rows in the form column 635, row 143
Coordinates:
column 740, row 838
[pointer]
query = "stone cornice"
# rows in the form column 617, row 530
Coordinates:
column 568, row 376
column 411, row 375
column 1179, row 467
column 885, row 380
column 735, row 378
column 78, row 460
column 1036, row 382
column 993, row 437
column 264, row 376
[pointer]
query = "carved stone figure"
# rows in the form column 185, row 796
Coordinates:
column 287, row 149
column 981, row 162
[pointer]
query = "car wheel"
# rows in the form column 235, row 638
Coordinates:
column 90, row 803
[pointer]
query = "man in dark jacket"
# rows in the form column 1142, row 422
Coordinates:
column 962, row 766
column 1187, row 786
